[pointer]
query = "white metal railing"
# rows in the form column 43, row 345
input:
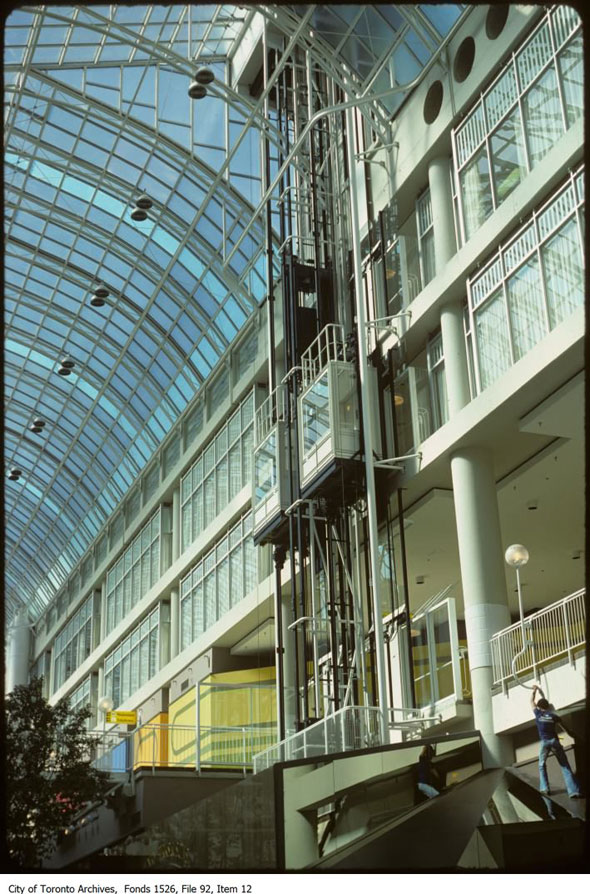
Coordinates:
column 348, row 729
column 553, row 632
column 231, row 746
column 271, row 410
column 171, row 745
column 110, row 751
column 329, row 345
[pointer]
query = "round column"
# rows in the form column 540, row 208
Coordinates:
column 441, row 200
column 484, row 585
column 19, row 651
column 455, row 353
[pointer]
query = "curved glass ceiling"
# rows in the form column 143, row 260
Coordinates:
column 97, row 113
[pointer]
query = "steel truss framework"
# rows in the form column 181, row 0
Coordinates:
column 97, row 113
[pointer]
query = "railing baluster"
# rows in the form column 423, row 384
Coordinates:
column 567, row 635
column 553, row 631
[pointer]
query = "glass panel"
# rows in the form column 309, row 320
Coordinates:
column 210, row 601
column 421, row 663
column 221, row 476
column 439, row 388
column 571, row 68
column 531, row 58
column 209, row 499
column 237, row 576
column 186, row 525
column 247, row 449
column 564, row 273
column 428, row 261
column 442, row 647
column 198, row 611
column 223, row 587
column 235, row 471
column 250, row 565
column 508, row 156
column 492, row 338
column 525, row 301
column 501, row 96
column 186, row 633
column 542, row 116
column 476, row 193
column 266, row 467
column 316, row 413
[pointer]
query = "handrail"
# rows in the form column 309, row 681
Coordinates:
column 328, row 345
column 341, row 731
column 153, row 744
column 552, row 631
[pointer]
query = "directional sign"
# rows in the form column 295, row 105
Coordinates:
column 121, row 717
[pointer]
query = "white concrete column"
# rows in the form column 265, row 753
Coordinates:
column 17, row 668
column 100, row 692
column 7, row 663
column 441, row 200
column 175, row 523
column 174, row 623
column 484, row 585
column 455, row 353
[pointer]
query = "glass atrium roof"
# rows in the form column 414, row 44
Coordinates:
column 96, row 114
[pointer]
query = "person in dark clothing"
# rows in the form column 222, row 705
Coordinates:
column 426, row 773
column 547, row 722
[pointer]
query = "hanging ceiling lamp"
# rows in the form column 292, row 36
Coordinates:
column 144, row 202
column 196, row 90
column 100, row 293
column 66, row 367
column 204, row 76
column 142, row 206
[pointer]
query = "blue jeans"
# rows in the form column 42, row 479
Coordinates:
column 554, row 746
column 428, row 790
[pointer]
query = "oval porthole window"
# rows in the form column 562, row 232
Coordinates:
column 433, row 102
column 464, row 60
column 496, row 19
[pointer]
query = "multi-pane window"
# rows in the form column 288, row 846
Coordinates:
column 73, row 644
column 219, row 581
column 425, row 237
column 438, row 382
column 534, row 282
column 134, row 661
column 219, row 473
column 535, row 99
column 136, row 571
column 80, row 698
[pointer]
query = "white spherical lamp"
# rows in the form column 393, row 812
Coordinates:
column 516, row 555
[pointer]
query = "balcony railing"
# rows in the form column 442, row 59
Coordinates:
column 348, row 729
column 172, row 746
column 550, row 634
column 330, row 345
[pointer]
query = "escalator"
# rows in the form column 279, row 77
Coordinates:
column 496, row 819
column 431, row 835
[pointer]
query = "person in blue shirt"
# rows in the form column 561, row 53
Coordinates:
column 547, row 722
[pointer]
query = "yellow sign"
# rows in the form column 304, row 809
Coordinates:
column 121, row 717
